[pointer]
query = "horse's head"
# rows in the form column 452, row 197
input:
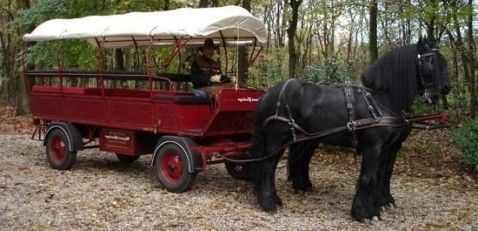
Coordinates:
column 432, row 74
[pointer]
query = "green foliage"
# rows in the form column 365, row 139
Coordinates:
column 420, row 108
column 331, row 71
column 466, row 138
column 271, row 69
column 75, row 54
column 42, row 11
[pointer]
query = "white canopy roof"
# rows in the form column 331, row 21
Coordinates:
column 139, row 28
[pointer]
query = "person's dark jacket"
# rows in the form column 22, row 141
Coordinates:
column 201, row 71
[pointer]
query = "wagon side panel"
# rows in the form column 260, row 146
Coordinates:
column 85, row 109
column 49, row 106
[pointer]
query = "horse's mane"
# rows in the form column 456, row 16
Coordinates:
column 394, row 74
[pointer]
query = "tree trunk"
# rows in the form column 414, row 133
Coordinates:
column 279, row 14
column 465, row 62
column 23, row 106
column 166, row 5
column 243, row 54
column 119, row 60
column 203, row 3
column 373, row 50
column 431, row 23
column 472, row 63
column 291, row 31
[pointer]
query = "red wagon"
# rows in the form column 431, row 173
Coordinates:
column 76, row 110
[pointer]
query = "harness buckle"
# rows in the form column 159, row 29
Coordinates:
column 352, row 125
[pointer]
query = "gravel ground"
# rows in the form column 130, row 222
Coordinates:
column 100, row 193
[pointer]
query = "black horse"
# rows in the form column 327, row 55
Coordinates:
column 369, row 119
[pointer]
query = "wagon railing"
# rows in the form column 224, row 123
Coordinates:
column 77, row 79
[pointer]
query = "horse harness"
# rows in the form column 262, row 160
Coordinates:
column 376, row 120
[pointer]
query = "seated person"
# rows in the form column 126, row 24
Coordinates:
column 206, row 73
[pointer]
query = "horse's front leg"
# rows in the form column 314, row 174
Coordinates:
column 388, row 202
column 365, row 205
column 390, row 153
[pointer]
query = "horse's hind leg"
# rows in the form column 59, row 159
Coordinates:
column 267, row 195
column 300, row 155
column 365, row 204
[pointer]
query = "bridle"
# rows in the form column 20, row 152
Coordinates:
column 425, row 59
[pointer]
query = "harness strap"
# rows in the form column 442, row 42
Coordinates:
column 369, row 101
column 356, row 125
column 281, row 93
column 289, row 113
column 349, row 101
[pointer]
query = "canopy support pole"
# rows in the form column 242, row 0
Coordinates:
column 136, row 66
column 225, row 48
column 253, row 50
column 255, row 57
column 149, row 57
column 58, row 65
column 179, row 54
column 101, row 66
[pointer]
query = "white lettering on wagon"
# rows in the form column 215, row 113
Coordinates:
column 115, row 137
column 248, row 99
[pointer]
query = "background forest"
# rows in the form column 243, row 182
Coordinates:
column 329, row 41
column 322, row 41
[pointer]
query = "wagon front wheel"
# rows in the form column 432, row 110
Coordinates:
column 171, row 168
column 57, row 150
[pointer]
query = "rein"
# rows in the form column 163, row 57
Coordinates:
column 429, row 121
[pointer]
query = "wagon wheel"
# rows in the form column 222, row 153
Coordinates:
column 240, row 171
column 57, row 151
column 126, row 159
column 171, row 168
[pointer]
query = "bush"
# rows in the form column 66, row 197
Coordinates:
column 466, row 137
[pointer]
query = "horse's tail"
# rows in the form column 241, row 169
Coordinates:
column 266, row 108
column 258, row 149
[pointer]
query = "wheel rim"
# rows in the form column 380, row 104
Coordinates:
column 171, row 167
column 57, row 149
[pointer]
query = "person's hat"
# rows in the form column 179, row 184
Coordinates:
column 208, row 43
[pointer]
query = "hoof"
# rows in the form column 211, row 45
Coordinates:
column 366, row 214
column 390, row 208
column 268, row 205
column 372, row 221
column 300, row 192
column 278, row 201
column 303, row 190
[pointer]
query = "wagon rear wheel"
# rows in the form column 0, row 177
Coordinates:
column 240, row 171
column 126, row 159
column 57, row 150
column 171, row 168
